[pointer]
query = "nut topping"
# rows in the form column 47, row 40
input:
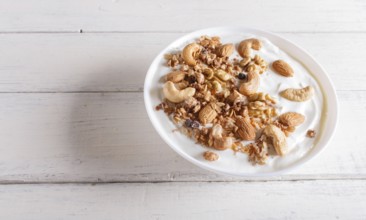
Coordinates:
column 283, row 68
column 277, row 138
column 208, row 113
column 298, row 95
column 215, row 99
column 210, row 156
column 226, row 50
column 291, row 119
column 246, row 131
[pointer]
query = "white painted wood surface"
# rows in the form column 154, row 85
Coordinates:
column 216, row 200
column 178, row 16
column 119, row 61
column 78, row 137
column 67, row 97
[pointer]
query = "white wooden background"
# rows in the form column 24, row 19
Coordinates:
column 76, row 143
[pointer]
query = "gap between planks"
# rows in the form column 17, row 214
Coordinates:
column 81, row 31
column 122, row 91
column 358, row 178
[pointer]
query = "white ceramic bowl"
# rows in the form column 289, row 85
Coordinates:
column 193, row 152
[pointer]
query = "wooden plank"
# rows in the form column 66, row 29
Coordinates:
column 66, row 137
column 261, row 200
column 118, row 62
column 96, row 15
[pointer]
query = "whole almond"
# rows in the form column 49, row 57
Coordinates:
column 207, row 114
column 283, row 68
column 246, row 131
column 225, row 50
column 291, row 119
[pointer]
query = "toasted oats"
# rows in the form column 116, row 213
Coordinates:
column 257, row 152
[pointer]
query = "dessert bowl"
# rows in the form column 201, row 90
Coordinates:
column 237, row 164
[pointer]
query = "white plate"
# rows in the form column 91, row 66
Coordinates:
column 193, row 152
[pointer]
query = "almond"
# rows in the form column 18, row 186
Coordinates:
column 246, row 131
column 207, row 114
column 225, row 50
column 283, row 68
column 291, row 119
column 224, row 76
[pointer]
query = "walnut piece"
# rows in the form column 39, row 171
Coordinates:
column 210, row 156
column 310, row 133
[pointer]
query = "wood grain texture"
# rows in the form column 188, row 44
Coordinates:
column 119, row 62
column 72, row 111
column 108, row 137
column 163, row 15
column 266, row 200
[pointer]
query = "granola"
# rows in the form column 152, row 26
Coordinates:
column 210, row 156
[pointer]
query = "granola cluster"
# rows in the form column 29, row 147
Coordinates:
column 214, row 99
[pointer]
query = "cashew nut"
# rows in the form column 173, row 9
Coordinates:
column 277, row 138
column 175, row 95
column 251, row 86
column 209, row 73
column 217, row 131
column 245, row 46
column 181, row 85
column 190, row 52
column 245, row 61
column 175, row 76
column 217, row 86
column 298, row 95
column 222, row 75
column 220, row 142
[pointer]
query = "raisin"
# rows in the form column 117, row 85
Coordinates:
column 191, row 124
column 188, row 123
column 242, row 76
column 191, row 79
